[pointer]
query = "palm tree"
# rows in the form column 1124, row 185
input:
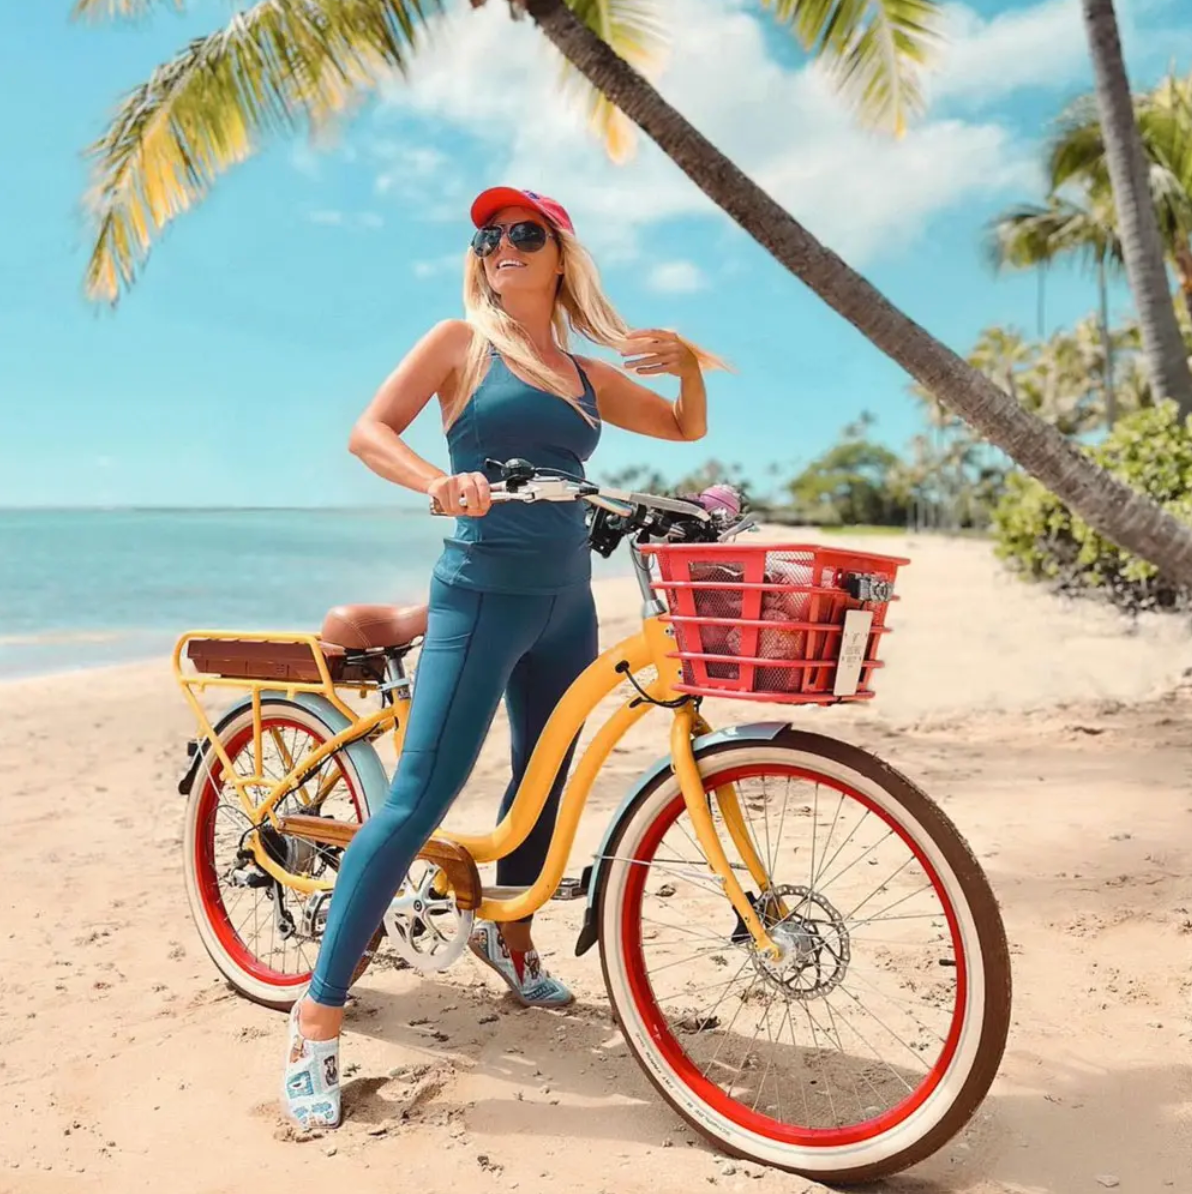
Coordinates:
column 1077, row 158
column 1002, row 354
column 1032, row 236
column 280, row 60
column 1136, row 222
column 1064, row 379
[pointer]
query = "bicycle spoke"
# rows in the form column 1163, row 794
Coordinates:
column 849, row 993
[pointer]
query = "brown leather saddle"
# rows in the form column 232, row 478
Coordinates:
column 354, row 640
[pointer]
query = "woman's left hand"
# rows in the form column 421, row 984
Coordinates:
column 655, row 350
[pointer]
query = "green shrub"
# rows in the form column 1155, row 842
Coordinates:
column 1039, row 537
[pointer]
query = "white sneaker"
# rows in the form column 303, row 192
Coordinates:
column 310, row 1086
column 534, row 987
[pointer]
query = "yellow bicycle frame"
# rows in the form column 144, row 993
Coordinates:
column 652, row 646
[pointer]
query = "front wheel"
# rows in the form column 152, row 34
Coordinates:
column 876, row 1034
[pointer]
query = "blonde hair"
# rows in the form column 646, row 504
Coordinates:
column 580, row 306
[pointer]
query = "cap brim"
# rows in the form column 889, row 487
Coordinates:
column 488, row 203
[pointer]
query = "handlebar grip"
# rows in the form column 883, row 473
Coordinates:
column 495, row 495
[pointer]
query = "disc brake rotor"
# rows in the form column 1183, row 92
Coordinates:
column 812, row 939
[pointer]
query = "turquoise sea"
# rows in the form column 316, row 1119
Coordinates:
column 84, row 588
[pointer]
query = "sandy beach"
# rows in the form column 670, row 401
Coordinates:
column 1057, row 736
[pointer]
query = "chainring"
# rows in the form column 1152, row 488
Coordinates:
column 428, row 930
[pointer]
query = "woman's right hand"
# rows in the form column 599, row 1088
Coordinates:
column 466, row 495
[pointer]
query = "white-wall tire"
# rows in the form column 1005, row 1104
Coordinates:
column 980, row 1019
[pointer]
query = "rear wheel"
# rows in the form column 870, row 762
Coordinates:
column 263, row 936
column 875, row 1036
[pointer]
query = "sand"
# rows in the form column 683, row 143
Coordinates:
column 1058, row 737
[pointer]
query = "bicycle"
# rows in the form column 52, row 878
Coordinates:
column 731, row 961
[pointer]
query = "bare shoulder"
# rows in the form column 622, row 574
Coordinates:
column 600, row 373
column 448, row 341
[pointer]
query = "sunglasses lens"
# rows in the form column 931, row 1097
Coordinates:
column 485, row 241
column 527, row 236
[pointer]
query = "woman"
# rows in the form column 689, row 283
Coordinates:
column 511, row 610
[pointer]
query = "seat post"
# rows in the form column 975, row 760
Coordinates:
column 396, row 679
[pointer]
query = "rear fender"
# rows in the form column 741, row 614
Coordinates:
column 368, row 764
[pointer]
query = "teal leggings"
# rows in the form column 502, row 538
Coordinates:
column 478, row 646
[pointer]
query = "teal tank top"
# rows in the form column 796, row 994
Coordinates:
column 531, row 547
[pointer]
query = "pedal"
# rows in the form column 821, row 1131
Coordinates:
column 570, row 889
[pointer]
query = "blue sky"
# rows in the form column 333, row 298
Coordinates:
column 232, row 372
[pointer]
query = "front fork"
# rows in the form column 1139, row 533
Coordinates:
column 688, row 724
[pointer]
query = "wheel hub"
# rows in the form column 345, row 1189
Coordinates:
column 812, row 941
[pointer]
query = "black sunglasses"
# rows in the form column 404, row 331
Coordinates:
column 526, row 236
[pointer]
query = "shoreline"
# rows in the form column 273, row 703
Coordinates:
column 965, row 634
column 1032, row 724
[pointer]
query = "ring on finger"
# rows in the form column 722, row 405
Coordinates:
column 463, row 502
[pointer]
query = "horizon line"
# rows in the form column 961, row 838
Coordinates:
column 168, row 509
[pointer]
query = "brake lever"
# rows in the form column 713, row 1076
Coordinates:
column 515, row 472
column 748, row 523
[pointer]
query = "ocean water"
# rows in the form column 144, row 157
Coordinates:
column 88, row 588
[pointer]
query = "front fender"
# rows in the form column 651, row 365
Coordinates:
column 373, row 777
column 594, row 875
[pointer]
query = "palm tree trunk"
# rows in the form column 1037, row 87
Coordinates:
column 1183, row 265
column 1106, row 346
column 1120, row 513
column 1142, row 248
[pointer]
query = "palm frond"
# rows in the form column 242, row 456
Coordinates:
column 875, row 48
column 1076, row 150
column 97, row 10
column 276, row 66
column 1171, row 193
column 1031, row 235
column 1076, row 155
column 635, row 29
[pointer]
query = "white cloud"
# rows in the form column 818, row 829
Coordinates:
column 306, row 155
column 984, row 60
column 439, row 265
column 860, row 192
column 304, row 159
column 406, row 169
column 676, row 277
column 340, row 219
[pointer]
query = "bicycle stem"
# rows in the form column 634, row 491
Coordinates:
column 652, row 605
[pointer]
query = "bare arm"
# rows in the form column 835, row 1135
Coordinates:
column 376, row 437
column 628, row 404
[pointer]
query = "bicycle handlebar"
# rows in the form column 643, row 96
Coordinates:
column 542, row 487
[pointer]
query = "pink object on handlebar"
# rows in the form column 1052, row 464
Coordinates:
column 720, row 497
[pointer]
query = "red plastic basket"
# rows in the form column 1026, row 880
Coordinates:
column 792, row 623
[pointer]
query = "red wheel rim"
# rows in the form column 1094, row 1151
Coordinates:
column 210, row 895
column 658, row 1028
